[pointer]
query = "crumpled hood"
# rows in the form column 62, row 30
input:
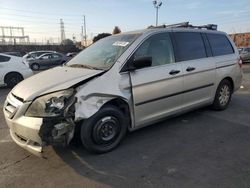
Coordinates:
column 55, row 79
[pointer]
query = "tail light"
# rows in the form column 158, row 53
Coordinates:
column 240, row 63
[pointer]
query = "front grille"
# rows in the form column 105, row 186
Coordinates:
column 11, row 105
column 21, row 138
column 11, row 110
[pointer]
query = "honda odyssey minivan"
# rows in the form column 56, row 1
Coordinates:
column 122, row 83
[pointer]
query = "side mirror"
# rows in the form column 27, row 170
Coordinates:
column 137, row 63
column 142, row 62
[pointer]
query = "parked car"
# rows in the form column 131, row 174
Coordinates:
column 47, row 60
column 245, row 54
column 35, row 54
column 124, row 82
column 12, row 70
column 18, row 54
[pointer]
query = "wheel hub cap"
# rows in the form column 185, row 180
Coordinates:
column 224, row 95
column 106, row 130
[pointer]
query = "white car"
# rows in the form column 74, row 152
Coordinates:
column 13, row 70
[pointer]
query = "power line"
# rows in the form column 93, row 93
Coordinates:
column 37, row 17
column 37, row 12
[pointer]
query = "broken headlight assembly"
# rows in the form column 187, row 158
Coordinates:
column 51, row 105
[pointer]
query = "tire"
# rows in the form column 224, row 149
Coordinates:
column 35, row 67
column 223, row 95
column 103, row 131
column 12, row 79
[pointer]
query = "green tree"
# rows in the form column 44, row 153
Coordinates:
column 100, row 36
column 67, row 42
column 116, row 30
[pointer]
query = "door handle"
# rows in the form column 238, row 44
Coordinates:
column 189, row 69
column 173, row 72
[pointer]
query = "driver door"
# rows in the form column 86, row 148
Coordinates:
column 156, row 89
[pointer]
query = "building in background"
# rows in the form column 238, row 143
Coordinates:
column 241, row 39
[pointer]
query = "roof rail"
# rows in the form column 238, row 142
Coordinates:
column 186, row 25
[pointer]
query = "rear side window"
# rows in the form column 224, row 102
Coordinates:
column 220, row 44
column 4, row 58
column 189, row 46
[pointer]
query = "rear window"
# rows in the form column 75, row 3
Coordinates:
column 189, row 46
column 4, row 58
column 220, row 44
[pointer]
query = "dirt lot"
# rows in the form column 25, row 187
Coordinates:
column 203, row 148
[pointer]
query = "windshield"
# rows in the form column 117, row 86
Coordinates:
column 104, row 53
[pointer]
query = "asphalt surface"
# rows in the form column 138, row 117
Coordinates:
column 200, row 149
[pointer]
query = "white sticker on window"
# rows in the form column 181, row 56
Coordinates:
column 120, row 43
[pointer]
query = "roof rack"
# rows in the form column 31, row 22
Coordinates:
column 186, row 25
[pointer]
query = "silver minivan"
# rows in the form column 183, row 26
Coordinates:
column 122, row 83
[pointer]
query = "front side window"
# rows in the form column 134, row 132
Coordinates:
column 46, row 57
column 220, row 44
column 189, row 46
column 103, row 53
column 4, row 58
column 159, row 47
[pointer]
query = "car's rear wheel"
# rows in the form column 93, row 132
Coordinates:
column 103, row 131
column 12, row 79
column 35, row 67
column 223, row 95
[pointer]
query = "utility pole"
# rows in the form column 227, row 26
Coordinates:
column 157, row 4
column 85, row 36
column 62, row 30
column 82, row 33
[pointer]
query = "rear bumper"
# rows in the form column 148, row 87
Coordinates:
column 27, row 73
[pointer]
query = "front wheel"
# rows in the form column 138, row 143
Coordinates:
column 223, row 95
column 103, row 131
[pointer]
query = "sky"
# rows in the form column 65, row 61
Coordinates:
column 41, row 18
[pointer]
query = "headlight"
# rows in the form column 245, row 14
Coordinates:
column 50, row 105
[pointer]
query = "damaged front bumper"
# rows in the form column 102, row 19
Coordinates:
column 33, row 133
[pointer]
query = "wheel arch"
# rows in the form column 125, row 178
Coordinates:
column 123, row 106
column 85, row 108
column 230, row 80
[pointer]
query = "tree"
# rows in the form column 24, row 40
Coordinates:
column 67, row 42
column 116, row 30
column 100, row 36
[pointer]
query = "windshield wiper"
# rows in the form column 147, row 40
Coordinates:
column 84, row 66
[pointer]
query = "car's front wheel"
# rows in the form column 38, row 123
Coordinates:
column 223, row 95
column 103, row 131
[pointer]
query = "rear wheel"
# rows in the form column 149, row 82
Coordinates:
column 35, row 67
column 12, row 79
column 223, row 95
column 104, row 130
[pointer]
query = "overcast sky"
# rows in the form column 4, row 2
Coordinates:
column 41, row 18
